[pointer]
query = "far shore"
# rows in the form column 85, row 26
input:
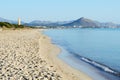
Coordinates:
column 29, row 54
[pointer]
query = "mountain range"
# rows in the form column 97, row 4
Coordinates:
column 47, row 23
column 81, row 22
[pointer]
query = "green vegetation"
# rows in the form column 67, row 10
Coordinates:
column 6, row 25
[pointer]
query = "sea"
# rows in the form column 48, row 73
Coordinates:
column 95, row 52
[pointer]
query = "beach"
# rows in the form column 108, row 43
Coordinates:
column 27, row 54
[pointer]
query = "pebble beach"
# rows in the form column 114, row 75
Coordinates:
column 29, row 55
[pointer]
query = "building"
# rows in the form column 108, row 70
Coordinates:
column 19, row 21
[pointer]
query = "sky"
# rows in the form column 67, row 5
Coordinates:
column 61, row 10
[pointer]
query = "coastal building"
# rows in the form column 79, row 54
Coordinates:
column 19, row 21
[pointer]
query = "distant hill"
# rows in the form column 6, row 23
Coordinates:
column 109, row 25
column 41, row 23
column 46, row 23
column 87, row 23
column 82, row 22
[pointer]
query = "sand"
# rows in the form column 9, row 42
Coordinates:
column 29, row 55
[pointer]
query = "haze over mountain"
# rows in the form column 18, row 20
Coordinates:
column 81, row 22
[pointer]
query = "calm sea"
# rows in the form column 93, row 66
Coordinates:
column 96, row 52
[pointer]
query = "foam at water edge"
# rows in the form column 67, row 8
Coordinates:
column 100, row 66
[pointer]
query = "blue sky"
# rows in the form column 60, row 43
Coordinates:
column 61, row 10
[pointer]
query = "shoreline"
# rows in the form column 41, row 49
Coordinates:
column 92, row 68
column 68, row 72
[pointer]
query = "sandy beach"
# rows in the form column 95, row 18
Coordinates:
column 30, row 55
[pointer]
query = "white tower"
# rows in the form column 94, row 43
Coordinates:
column 19, row 21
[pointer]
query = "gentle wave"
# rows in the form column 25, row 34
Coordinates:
column 98, row 65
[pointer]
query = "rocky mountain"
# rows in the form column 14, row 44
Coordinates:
column 82, row 22
column 87, row 23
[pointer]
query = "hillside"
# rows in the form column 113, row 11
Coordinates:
column 82, row 22
column 46, row 23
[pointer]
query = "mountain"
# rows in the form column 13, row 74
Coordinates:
column 37, row 23
column 82, row 22
column 88, row 23
column 46, row 23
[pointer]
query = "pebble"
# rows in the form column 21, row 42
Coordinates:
column 19, row 59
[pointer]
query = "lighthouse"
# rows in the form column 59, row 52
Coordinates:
column 19, row 21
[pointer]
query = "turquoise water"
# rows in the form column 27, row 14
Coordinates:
column 97, row 47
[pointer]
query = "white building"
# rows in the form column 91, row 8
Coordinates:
column 19, row 21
